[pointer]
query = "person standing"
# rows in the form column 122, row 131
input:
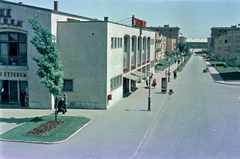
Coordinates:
column 22, row 98
column 147, row 81
column 3, row 94
column 166, row 73
column 65, row 102
column 154, row 82
column 60, row 106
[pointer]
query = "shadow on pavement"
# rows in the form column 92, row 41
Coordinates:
column 136, row 110
column 14, row 120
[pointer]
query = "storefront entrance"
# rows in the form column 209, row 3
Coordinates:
column 12, row 90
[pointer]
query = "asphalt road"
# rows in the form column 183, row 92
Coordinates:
column 201, row 120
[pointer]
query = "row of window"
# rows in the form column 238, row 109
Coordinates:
column 116, row 42
column 116, row 82
column 229, row 40
column 227, row 48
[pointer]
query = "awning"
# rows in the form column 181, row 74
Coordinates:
column 137, row 73
column 132, row 77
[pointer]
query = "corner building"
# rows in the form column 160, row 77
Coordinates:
column 107, row 60
column 91, row 63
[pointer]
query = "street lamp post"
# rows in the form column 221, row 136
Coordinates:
column 169, row 60
column 149, row 96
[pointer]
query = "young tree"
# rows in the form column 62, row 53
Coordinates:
column 181, row 47
column 50, row 69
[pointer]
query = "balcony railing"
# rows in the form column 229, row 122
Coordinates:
column 13, row 60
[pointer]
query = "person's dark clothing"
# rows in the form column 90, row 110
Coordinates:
column 65, row 103
column 22, row 98
column 60, row 107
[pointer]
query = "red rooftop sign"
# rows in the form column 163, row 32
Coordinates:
column 138, row 22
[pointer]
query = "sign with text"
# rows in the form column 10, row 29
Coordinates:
column 12, row 74
column 6, row 18
column 138, row 22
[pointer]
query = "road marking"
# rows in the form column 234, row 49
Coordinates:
column 150, row 127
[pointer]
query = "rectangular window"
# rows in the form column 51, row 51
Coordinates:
column 133, row 44
column 67, row 85
column 13, row 37
column 237, row 48
column 115, row 42
column 225, row 41
column 116, row 82
column 238, row 38
column 120, row 42
column 225, row 48
column 3, row 37
column 112, row 43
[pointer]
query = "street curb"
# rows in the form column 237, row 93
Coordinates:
column 39, row 142
column 224, row 83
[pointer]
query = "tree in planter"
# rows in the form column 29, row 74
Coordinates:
column 50, row 70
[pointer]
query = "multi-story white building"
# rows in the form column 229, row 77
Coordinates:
column 92, row 68
column 107, row 60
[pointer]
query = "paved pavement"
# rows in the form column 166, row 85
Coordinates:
column 120, row 132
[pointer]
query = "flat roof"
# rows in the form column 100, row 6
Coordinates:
column 197, row 40
column 45, row 9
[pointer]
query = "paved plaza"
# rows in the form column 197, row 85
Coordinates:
column 200, row 120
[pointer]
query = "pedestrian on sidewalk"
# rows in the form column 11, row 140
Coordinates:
column 60, row 106
column 65, row 102
column 175, row 74
column 147, row 81
column 154, row 82
column 166, row 73
column 22, row 98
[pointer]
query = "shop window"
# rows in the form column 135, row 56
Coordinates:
column 67, row 85
column 120, row 42
column 115, row 42
column 13, row 48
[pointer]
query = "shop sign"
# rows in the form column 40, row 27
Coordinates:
column 6, row 18
column 13, row 74
column 138, row 22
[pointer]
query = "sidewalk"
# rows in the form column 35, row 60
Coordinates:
column 217, row 77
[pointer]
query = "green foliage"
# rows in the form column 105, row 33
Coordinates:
column 181, row 47
column 234, row 58
column 167, row 53
column 50, row 69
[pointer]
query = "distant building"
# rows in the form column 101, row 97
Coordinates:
column 182, row 39
column 167, row 31
column 228, row 43
column 171, row 45
column 218, row 31
column 160, row 46
column 196, row 43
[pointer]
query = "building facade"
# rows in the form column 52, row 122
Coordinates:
column 18, row 69
column 227, row 44
column 167, row 31
column 171, row 45
column 218, row 31
column 196, row 43
column 160, row 46
column 109, row 60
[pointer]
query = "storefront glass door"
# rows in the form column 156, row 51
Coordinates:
column 13, row 94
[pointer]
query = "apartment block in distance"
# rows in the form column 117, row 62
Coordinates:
column 228, row 43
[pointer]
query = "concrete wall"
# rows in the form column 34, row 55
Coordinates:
column 83, row 52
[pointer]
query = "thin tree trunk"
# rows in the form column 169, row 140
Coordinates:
column 55, row 106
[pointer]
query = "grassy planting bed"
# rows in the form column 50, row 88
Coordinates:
column 163, row 63
column 69, row 125
column 229, row 73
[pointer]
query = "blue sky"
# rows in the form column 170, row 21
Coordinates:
column 194, row 17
